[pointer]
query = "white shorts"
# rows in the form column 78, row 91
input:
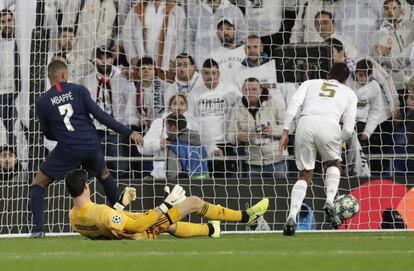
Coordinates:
column 314, row 133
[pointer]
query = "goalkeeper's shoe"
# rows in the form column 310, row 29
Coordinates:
column 290, row 227
column 37, row 234
column 257, row 210
column 331, row 216
column 217, row 229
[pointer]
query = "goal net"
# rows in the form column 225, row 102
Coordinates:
column 142, row 61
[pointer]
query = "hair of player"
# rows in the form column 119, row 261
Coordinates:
column 75, row 182
column 364, row 65
column 186, row 56
column 146, row 61
column 5, row 12
column 394, row 1
column 339, row 72
column 55, row 67
column 323, row 12
column 335, row 43
column 65, row 29
column 210, row 63
column 182, row 95
column 178, row 120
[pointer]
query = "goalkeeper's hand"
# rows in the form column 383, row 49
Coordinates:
column 174, row 197
column 127, row 196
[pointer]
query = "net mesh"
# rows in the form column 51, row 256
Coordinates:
column 134, row 57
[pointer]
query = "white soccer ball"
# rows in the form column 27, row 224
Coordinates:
column 346, row 206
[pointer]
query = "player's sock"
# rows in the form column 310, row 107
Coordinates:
column 217, row 212
column 333, row 175
column 296, row 199
column 111, row 189
column 186, row 229
column 37, row 197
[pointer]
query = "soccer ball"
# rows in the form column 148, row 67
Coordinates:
column 346, row 206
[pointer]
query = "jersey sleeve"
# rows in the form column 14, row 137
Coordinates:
column 349, row 116
column 102, row 116
column 295, row 102
column 112, row 219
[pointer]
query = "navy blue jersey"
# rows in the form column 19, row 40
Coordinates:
column 64, row 112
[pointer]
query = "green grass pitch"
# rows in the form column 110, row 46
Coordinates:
column 305, row 251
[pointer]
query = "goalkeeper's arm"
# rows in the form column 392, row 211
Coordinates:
column 174, row 197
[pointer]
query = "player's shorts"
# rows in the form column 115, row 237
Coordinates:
column 61, row 160
column 316, row 134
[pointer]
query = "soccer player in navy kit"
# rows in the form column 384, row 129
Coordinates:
column 64, row 115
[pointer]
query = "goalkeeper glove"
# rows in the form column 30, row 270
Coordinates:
column 127, row 196
column 174, row 197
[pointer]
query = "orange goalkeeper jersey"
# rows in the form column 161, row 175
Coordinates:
column 99, row 221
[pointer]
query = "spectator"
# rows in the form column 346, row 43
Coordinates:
column 186, row 77
column 9, row 73
column 371, row 110
column 348, row 14
column 186, row 156
column 258, row 65
column 156, row 29
column 256, row 123
column 102, row 87
column 304, row 28
column 391, row 42
column 229, row 55
column 150, row 92
column 79, row 66
column 203, row 20
column 10, row 168
column 325, row 26
column 212, row 103
column 155, row 140
column 93, row 22
column 264, row 19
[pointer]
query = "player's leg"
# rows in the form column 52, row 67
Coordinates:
column 37, row 196
column 296, row 199
column 109, row 185
column 305, row 154
column 329, row 146
column 96, row 167
column 187, row 229
column 209, row 211
column 332, row 178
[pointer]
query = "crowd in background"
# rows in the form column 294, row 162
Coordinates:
column 212, row 62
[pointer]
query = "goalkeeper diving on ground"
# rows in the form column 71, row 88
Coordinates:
column 99, row 221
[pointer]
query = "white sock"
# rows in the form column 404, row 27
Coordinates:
column 296, row 199
column 333, row 175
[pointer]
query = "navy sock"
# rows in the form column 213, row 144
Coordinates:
column 111, row 189
column 37, row 197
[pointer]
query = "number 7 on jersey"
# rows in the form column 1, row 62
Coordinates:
column 66, row 110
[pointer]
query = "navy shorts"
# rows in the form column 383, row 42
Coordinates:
column 61, row 160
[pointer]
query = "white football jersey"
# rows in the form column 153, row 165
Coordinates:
column 327, row 98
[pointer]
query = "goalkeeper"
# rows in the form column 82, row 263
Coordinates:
column 99, row 221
